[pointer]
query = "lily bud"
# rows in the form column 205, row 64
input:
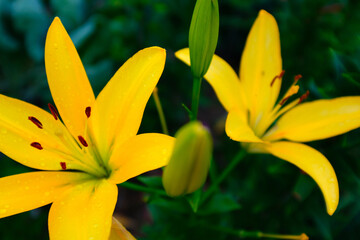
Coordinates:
column 190, row 161
column 203, row 35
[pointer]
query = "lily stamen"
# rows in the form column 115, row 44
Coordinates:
column 83, row 141
column 36, row 122
column 284, row 100
column 53, row 111
column 304, row 96
column 88, row 112
column 297, row 77
column 63, row 165
column 36, row 145
column 277, row 77
column 292, row 91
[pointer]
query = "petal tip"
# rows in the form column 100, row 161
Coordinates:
column 266, row 15
column 56, row 21
column 155, row 50
column 56, row 28
column 330, row 210
column 331, row 206
column 183, row 54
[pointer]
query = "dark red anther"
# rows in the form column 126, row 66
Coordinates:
column 82, row 141
column 304, row 96
column 88, row 111
column 284, row 100
column 297, row 77
column 281, row 74
column 35, row 121
column 63, row 165
column 53, row 111
column 36, row 145
column 272, row 81
column 277, row 77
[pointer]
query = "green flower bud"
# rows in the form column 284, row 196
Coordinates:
column 190, row 161
column 203, row 35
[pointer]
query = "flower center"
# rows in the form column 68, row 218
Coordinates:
column 79, row 154
column 280, row 108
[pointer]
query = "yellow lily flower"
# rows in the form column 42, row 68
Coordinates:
column 262, row 123
column 95, row 148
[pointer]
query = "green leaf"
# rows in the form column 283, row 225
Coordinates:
column 349, row 77
column 174, row 205
column 303, row 187
column 71, row 12
column 83, row 33
column 152, row 181
column 220, row 203
column 194, row 200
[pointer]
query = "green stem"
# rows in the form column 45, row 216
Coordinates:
column 284, row 236
column 140, row 188
column 255, row 234
column 194, row 200
column 160, row 111
column 241, row 154
column 213, row 171
column 195, row 98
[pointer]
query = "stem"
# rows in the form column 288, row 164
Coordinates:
column 288, row 237
column 213, row 171
column 187, row 110
column 195, row 98
column 140, row 188
column 160, row 111
column 194, row 200
column 255, row 234
column 241, row 154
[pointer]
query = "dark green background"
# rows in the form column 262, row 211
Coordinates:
column 319, row 39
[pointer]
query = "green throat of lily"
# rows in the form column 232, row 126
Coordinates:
column 81, row 152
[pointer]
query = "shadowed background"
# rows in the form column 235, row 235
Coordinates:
column 319, row 39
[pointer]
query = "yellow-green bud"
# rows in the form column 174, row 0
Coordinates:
column 203, row 35
column 190, row 161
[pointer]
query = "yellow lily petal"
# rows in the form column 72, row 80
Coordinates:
column 27, row 191
column 67, row 78
column 260, row 63
column 119, row 232
column 84, row 212
column 140, row 154
column 238, row 129
column 119, row 108
column 318, row 120
column 223, row 79
column 17, row 133
column 313, row 163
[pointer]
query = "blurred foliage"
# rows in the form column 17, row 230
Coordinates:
column 320, row 40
